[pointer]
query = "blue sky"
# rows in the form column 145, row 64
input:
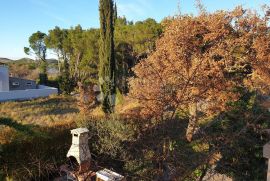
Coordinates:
column 20, row 18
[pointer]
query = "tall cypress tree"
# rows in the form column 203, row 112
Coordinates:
column 107, row 63
column 115, row 15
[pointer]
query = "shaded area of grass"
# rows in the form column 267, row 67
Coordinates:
column 163, row 149
column 144, row 151
column 38, row 158
column 26, row 129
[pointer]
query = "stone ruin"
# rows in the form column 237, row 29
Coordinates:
column 108, row 175
column 266, row 154
column 79, row 151
column 80, row 166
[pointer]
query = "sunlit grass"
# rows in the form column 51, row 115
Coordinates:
column 18, row 118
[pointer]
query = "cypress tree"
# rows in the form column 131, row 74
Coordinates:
column 107, row 63
column 115, row 13
column 65, row 82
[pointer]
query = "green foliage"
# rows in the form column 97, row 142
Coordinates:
column 107, row 65
column 115, row 14
column 38, row 48
column 65, row 82
column 137, row 153
column 133, row 42
column 110, row 135
column 32, row 66
column 56, row 40
column 119, row 97
column 84, row 60
column 142, row 35
column 77, row 52
column 239, row 138
column 80, row 49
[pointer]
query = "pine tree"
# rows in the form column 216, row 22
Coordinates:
column 107, row 63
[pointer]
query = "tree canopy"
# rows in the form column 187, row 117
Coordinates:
column 204, row 60
column 38, row 48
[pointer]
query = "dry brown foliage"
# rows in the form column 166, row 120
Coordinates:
column 202, row 60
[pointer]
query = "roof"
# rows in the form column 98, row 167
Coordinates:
column 3, row 64
column 79, row 131
column 17, row 78
column 109, row 175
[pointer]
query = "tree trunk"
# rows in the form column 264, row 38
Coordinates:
column 87, row 98
column 193, row 120
column 76, row 71
column 81, row 102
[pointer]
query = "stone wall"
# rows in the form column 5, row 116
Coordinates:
column 42, row 91
column 21, row 84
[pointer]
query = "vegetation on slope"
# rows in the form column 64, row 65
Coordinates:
column 34, row 136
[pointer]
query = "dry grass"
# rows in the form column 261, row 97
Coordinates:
column 34, row 136
column 55, row 111
column 42, row 112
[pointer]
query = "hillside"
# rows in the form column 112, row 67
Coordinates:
column 23, row 60
column 28, row 68
column 4, row 60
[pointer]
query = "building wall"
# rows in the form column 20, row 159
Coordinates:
column 42, row 91
column 21, row 84
column 4, row 78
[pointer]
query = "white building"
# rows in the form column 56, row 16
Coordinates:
column 12, row 88
column 4, row 78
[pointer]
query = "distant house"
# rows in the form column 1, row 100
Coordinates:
column 14, row 88
column 21, row 84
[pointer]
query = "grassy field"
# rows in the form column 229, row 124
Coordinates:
column 34, row 136
column 44, row 113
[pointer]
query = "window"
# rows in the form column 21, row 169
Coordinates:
column 29, row 83
column 15, row 83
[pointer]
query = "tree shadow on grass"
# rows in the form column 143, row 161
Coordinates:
column 51, row 106
column 164, row 148
column 52, row 101
column 26, row 129
column 62, row 111
column 37, row 152
column 161, row 148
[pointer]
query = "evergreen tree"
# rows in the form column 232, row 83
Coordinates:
column 107, row 63
column 115, row 14
column 65, row 81
column 38, row 48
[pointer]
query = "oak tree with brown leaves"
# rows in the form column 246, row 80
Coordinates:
column 200, row 62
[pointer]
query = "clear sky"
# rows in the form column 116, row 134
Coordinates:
column 20, row 18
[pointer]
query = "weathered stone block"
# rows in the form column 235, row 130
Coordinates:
column 80, row 149
column 266, row 151
column 108, row 175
